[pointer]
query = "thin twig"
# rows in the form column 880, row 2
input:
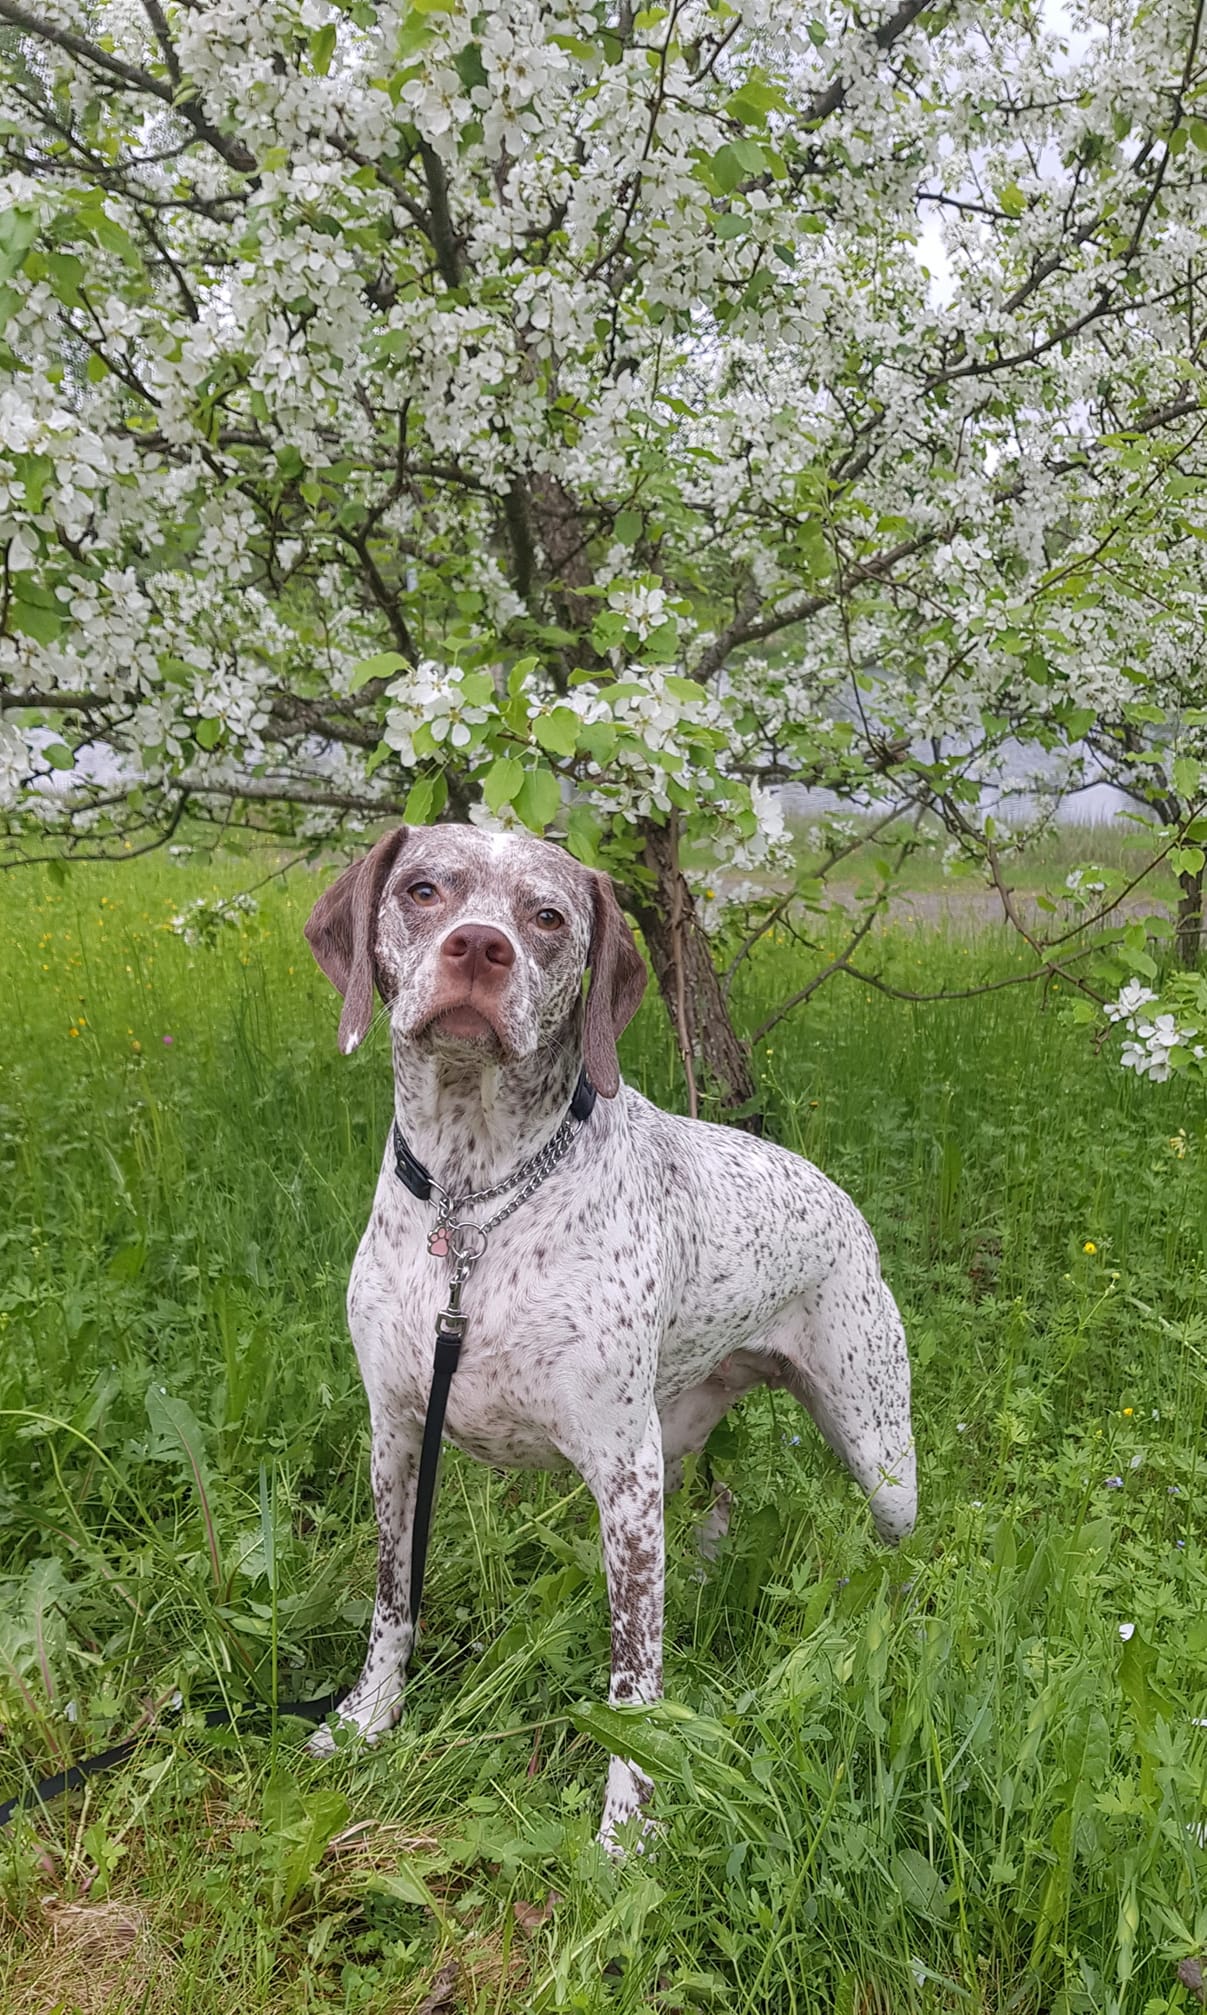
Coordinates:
column 685, row 1048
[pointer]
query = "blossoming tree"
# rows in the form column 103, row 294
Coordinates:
column 590, row 416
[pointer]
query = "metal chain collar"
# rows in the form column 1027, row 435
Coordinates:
column 453, row 1235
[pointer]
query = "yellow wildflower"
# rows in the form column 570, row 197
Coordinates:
column 1089, row 1246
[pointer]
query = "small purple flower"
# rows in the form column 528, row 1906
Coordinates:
column 168, row 1041
column 1113, row 1483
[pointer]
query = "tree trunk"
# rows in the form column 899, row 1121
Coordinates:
column 1188, row 936
column 714, row 1059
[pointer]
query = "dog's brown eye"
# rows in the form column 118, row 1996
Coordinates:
column 550, row 920
column 424, row 893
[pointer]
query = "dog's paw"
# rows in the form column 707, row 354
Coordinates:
column 628, row 1798
column 638, row 1838
column 357, row 1721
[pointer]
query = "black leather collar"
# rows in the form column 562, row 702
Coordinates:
column 410, row 1170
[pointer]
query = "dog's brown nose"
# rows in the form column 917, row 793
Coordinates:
column 478, row 950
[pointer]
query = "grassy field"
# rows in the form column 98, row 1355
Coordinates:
column 1123, row 845
column 968, row 1776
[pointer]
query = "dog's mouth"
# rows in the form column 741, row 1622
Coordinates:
column 465, row 1023
column 461, row 1023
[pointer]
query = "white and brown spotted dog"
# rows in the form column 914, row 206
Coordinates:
column 664, row 1268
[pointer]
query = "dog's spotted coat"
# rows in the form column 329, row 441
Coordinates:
column 664, row 1268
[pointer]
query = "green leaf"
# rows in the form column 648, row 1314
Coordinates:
column 628, row 527
column 421, row 797
column 1012, row 200
column 175, row 1432
column 599, row 739
column 517, row 678
column 538, row 799
column 1137, row 1666
column 753, row 102
column 34, row 619
column 58, row 755
column 18, row 230
column 1078, row 721
column 730, row 224
column 299, row 1826
column 384, row 666
column 1187, row 775
column 583, row 835
column 1182, row 861
column 726, row 168
column 322, row 47
column 920, row 1887
column 470, row 67
column 557, row 732
column 631, row 1732
column 407, row 1885
column 65, row 273
column 478, row 688
column 662, row 644
column 207, row 733
column 502, row 780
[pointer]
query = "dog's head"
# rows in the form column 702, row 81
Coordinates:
column 478, row 943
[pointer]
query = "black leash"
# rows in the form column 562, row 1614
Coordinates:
column 463, row 1242
column 77, row 1774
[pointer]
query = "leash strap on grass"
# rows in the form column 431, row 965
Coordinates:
column 77, row 1774
column 444, row 1364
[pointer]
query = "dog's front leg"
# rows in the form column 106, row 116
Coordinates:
column 375, row 1702
column 628, row 1491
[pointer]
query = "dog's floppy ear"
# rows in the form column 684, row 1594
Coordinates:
column 618, row 979
column 341, row 930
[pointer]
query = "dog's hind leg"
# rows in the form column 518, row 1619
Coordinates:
column 843, row 1351
column 689, row 1418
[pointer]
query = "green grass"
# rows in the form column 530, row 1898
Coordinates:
column 1038, row 865
column 938, row 1779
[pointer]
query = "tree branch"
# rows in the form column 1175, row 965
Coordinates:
column 131, row 77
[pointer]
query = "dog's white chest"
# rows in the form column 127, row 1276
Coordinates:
column 505, row 1402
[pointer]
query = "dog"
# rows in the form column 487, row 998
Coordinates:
column 662, row 1267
